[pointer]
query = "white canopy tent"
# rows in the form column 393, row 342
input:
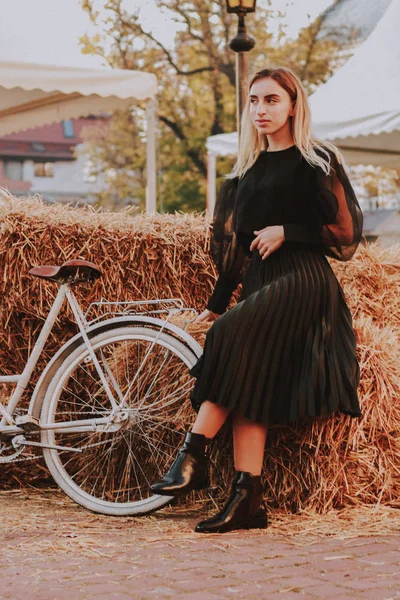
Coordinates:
column 36, row 94
column 223, row 144
column 358, row 108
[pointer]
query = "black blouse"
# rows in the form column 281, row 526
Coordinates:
column 281, row 188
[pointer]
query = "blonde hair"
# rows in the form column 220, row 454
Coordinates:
column 252, row 142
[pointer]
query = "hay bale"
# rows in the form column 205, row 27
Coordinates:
column 324, row 464
column 340, row 461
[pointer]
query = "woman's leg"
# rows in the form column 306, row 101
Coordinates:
column 190, row 467
column 248, row 444
column 210, row 418
column 245, row 507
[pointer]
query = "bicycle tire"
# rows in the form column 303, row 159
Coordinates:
column 100, row 480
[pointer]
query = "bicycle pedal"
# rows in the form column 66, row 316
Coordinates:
column 28, row 422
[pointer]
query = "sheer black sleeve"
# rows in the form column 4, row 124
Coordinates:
column 336, row 219
column 228, row 255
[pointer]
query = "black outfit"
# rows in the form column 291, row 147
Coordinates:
column 287, row 349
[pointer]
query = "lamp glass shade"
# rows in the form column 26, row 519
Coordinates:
column 244, row 6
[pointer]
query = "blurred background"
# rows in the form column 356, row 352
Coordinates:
column 345, row 52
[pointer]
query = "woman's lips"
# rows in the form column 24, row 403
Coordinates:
column 263, row 121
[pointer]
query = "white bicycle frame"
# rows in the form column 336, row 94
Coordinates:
column 111, row 423
column 23, row 379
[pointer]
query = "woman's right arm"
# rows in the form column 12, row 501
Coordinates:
column 228, row 255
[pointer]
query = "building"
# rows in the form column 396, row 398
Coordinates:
column 43, row 161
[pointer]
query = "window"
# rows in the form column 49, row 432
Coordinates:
column 68, row 128
column 44, row 169
column 13, row 170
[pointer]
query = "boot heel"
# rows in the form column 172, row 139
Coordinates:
column 259, row 521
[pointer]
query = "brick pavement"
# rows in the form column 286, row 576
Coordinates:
column 52, row 549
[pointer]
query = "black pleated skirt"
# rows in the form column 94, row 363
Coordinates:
column 287, row 349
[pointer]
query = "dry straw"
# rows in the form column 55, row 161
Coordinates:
column 86, row 534
column 320, row 465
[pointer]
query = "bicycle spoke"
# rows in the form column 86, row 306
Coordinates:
column 151, row 445
column 111, row 377
column 131, row 454
column 154, row 380
column 151, row 383
column 154, row 407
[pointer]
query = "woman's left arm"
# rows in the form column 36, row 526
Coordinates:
column 337, row 216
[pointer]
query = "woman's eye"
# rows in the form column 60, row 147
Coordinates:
column 252, row 100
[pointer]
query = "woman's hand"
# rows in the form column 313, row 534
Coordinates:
column 206, row 316
column 268, row 240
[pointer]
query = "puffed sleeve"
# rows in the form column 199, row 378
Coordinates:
column 228, row 255
column 336, row 220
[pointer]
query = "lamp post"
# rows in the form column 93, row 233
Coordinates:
column 241, row 44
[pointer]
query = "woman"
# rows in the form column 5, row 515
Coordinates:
column 287, row 349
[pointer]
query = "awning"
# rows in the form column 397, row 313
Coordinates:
column 38, row 94
column 359, row 107
column 34, row 94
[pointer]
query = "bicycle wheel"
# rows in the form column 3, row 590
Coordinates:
column 114, row 469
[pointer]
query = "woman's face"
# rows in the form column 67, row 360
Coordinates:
column 270, row 106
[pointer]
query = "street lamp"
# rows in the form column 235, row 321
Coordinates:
column 241, row 44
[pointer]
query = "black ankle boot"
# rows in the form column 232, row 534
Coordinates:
column 245, row 508
column 189, row 470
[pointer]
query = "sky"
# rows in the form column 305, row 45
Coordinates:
column 47, row 31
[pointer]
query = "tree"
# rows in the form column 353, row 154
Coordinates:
column 117, row 152
column 196, row 84
column 376, row 187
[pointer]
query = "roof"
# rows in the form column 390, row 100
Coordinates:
column 46, row 143
column 35, row 151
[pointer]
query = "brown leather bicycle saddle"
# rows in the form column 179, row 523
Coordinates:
column 72, row 271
